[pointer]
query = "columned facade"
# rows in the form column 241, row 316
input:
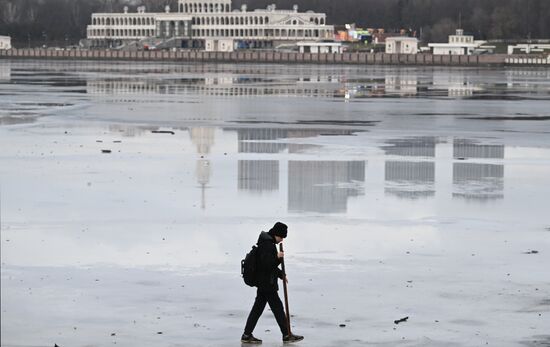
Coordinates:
column 214, row 20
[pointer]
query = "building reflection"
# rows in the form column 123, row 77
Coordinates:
column 411, row 147
column 258, row 176
column 454, row 84
column 478, row 181
column 266, row 140
column 465, row 148
column 261, row 140
column 130, row 130
column 5, row 71
column 228, row 85
column 532, row 81
column 401, row 85
column 410, row 179
column 324, row 186
column 203, row 139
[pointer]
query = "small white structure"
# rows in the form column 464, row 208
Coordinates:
column 219, row 45
column 529, row 48
column 402, row 45
column 5, row 42
column 319, row 47
column 459, row 44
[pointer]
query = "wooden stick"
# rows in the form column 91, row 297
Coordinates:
column 285, row 290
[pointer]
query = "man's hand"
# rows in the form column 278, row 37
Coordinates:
column 286, row 279
column 280, row 255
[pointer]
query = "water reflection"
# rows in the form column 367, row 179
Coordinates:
column 234, row 80
column 409, row 179
column 324, row 186
column 458, row 84
column 5, row 71
column 258, row 176
column 219, row 87
column 402, row 85
column 266, row 140
column 478, row 181
column 261, row 140
column 12, row 120
column 203, row 139
column 411, row 147
column 465, row 148
column 130, row 130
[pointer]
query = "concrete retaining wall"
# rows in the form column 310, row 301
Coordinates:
column 265, row 57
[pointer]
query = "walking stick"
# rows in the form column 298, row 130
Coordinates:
column 286, row 290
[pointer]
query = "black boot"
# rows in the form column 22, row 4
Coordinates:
column 250, row 339
column 292, row 338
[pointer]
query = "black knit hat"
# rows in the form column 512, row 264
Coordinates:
column 279, row 229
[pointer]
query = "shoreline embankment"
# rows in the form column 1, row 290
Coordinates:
column 273, row 57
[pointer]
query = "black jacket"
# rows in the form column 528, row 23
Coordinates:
column 268, row 262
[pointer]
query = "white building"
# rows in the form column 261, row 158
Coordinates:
column 528, row 48
column 320, row 47
column 210, row 25
column 459, row 44
column 402, row 45
column 5, row 42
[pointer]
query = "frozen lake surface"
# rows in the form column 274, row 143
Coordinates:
column 419, row 192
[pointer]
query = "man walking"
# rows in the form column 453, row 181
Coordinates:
column 267, row 273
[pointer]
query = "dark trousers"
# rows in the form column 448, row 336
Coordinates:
column 272, row 298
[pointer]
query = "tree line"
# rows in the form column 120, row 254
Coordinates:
column 64, row 21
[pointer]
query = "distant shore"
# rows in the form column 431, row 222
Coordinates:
column 281, row 57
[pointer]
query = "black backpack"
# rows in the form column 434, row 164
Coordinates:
column 249, row 265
